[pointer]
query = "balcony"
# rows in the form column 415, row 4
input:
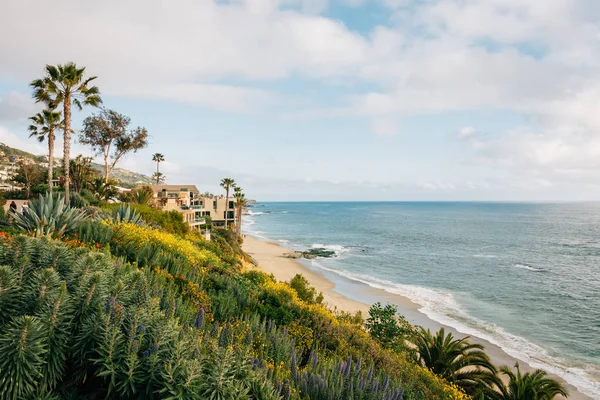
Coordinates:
column 197, row 221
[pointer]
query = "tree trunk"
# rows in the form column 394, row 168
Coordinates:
column 50, row 158
column 67, row 147
column 226, row 206
column 105, row 170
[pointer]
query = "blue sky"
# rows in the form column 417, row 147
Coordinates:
column 330, row 99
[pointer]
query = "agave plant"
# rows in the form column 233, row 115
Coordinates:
column 125, row 214
column 48, row 216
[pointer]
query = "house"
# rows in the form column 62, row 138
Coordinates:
column 186, row 199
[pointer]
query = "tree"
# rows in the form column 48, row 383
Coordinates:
column 457, row 360
column 142, row 195
column 66, row 84
column 529, row 386
column 158, row 177
column 104, row 190
column 108, row 135
column 29, row 174
column 158, row 158
column 240, row 203
column 389, row 329
column 82, row 173
column 227, row 184
column 43, row 126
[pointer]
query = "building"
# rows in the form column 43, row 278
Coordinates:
column 186, row 199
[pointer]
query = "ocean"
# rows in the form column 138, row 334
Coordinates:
column 524, row 276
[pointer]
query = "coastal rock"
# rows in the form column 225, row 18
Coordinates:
column 293, row 254
column 319, row 252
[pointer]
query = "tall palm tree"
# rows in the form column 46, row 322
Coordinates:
column 227, row 184
column 43, row 126
column 240, row 203
column 457, row 360
column 66, row 84
column 158, row 158
column 529, row 386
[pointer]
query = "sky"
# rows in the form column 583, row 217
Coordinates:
column 332, row 99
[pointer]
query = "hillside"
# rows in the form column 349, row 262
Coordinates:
column 9, row 156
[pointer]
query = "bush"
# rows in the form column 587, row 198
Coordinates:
column 171, row 222
column 305, row 291
column 392, row 331
column 48, row 216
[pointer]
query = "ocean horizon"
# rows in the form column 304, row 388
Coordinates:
column 522, row 275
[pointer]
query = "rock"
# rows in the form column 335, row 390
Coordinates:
column 320, row 252
column 293, row 254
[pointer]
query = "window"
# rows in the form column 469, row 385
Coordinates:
column 230, row 204
column 215, row 204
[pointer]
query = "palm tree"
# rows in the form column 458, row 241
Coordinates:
column 158, row 177
column 66, row 84
column 240, row 203
column 43, row 126
column 458, row 361
column 158, row 158
column 529, row 386
column 227, row 184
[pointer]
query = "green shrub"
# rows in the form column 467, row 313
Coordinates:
column 48, row 216
column 392, row 331
column 305, row 291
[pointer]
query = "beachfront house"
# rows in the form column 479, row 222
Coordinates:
column 194, row 208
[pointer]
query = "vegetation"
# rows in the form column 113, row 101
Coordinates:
column 158, row 158
column 43, row 126
column 142, row 195
column 240, row 203
column 29, row 175
column 158, row 178
column 108, row 135
column 457, row 360
column 119, row 310
column 227, row 184
column 531, row 385
column 48, row 216
column 66, row 85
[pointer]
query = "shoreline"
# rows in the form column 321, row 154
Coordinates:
column 269, row 256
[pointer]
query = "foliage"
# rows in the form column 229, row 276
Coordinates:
column 392, row 331
column 531, row 386
column 48, row 216
column 104, row 190
column 82, row 173
column 125, row 214
column 108, row 134
column 159, row 178
column 29, row 174
column 43, row 127
column 142, row 195
column 181, row 322
column 78, row 201
column 66, row 84
column 457, row 360
column 170, row 222
column 305, row 291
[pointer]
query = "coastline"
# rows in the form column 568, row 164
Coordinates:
column 270, row 257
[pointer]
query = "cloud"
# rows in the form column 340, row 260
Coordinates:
column 466, row 132
column 16, row 106
column 12, row 140
column 537, row 59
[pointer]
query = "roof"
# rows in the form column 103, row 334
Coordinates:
column 174, row 188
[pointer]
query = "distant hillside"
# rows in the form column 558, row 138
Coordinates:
column 125, row 177
column 11, row 151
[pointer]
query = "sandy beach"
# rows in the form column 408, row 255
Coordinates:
column 271, row 259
